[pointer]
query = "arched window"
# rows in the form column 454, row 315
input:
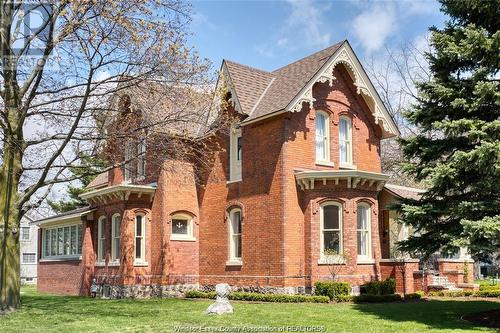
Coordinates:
column 235, row 231
column 182, row 227
column 331, row 228
column 140, row 239
column 116, row 221
column 345, row 138
column 364, row 231
column 101, row 239
column 322, row 137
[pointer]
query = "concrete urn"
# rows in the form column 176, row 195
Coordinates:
column 221, row 304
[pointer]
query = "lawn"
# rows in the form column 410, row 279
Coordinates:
column 44, row 313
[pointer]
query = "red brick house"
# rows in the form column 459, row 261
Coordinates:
column 301, row 174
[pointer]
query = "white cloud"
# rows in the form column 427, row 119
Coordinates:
column 374, row 25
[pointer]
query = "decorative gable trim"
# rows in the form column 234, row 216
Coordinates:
column 345, row 55
column 225, row 79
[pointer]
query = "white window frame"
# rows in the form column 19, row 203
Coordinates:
column 235, row 160
column 22, row 234
column 322, row 229
column 78, row 239
column 190, row 228
column 368, row 254
column 28, row 262
column 142, row 259
column 232, row 258
column 127, row 165
column 115, row 237
column 101, row 240
column 348, row 142
column 141, row 159
column 326, row 139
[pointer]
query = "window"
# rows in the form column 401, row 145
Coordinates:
column 127, row 167
column 25, row 233
column 235, row 154
column 141, row 159
column 140, row 238
column 182, row 227
column 116, row 237
column 322, row 137
column 363, row 231
column 29, row 258
column 331, row 228
column 235, row 235
column 62, row 242
column 101, row 239
column 345, row 146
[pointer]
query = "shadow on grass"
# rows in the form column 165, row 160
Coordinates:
column 439, row 314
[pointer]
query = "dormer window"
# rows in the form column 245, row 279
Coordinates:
column 235, row 154
column 322, row 138
column 345, row 141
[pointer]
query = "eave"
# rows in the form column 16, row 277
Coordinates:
column 58, row 219
column 354, row 178
column 118, row 192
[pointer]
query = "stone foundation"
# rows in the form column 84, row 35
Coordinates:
column 145, row 291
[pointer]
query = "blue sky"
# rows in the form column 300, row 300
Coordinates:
column 271, row 34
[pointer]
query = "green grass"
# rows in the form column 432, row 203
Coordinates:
column 45, row 313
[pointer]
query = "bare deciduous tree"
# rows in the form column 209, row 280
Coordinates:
column 58, row 86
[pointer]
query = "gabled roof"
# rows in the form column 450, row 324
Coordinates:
column 404, row 191
column 259, row 94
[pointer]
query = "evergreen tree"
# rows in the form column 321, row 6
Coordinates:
column 87, row 170
column 457, row 151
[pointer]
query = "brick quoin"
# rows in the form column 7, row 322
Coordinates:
column 280, row 221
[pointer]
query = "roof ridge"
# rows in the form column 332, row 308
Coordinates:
column 249, row 67
column 309, row 56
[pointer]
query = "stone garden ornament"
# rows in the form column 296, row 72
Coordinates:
column 221, row 304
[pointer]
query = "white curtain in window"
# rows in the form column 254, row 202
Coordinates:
column 344, row 141
column 321, row 137
column 363, row 230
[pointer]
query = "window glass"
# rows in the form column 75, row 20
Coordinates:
column 235, row 235
column 180, row 227
column 331, row 228
column 62, row 241
column 345, row 141
column 29, row 258
column 321, row 137
column 363, row 230
column 25, row 233
column 116, row 237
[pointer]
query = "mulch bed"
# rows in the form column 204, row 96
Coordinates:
column 489, row 318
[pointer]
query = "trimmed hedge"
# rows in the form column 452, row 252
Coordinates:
column 414, row 296
column 466, row 293
column 257, row 297
column 367, row 298
column 386, row 287
column 343, row 298
column 489, row 287
column 332, row 289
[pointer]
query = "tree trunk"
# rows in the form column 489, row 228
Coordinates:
column 9, row 216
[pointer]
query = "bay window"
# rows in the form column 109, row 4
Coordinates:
column 322, row 137
column 116, row 221
column 345, row 144
column 140, row 239
column 363, row 231
column 331, row 228
column 101, row 239
column 235, row 236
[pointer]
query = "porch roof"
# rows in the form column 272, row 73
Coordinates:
column 306, row 178
column 75, row 214
column 121, row 191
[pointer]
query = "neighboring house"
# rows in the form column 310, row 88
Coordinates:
column 300, row 174
column 28, row 239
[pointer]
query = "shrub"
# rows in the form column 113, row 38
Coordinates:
column 257, row 297
column 414, row 296
column 484, row 287
column 487, row 293
column 462, row 293
column 386, row 287
column 331, row 289
column 367, row 298
column 343, row 298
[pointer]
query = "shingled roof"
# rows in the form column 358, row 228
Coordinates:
column 260, row 92
column 257, row 93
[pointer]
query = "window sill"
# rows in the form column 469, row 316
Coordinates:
column 365, row 261
column 348, row 166
column 110, row 264
column 74, row 258
column 234, row 262
column 182, row 239
column 325, row 261
column 100, row 264
column 325, row 163
column 140, row 264
column 233, row 181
